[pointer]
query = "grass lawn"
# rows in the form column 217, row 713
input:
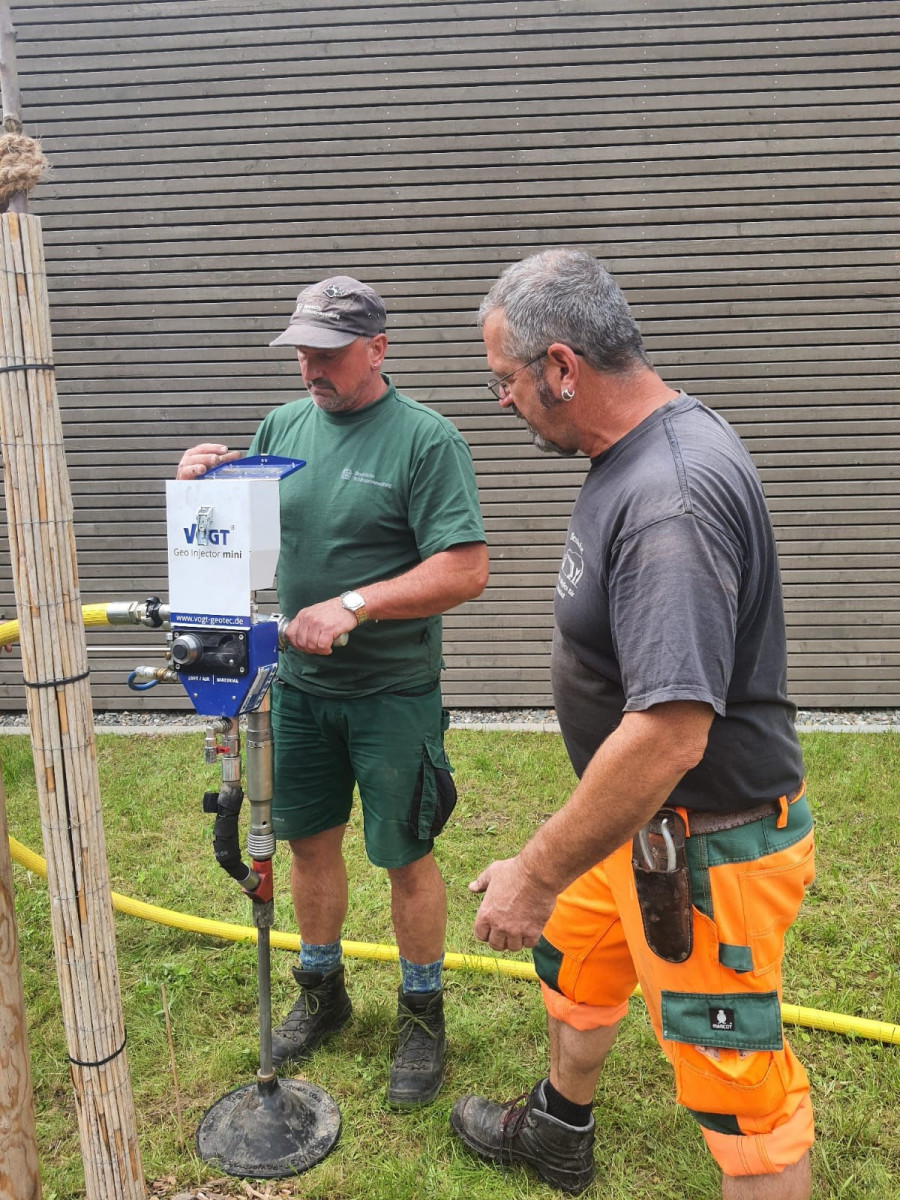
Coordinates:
column 844, row 956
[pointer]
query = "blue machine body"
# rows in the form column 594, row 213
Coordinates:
column 228, row 695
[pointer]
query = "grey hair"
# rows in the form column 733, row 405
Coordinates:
column 564, row 295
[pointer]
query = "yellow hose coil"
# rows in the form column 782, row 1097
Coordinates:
column 791, row 1014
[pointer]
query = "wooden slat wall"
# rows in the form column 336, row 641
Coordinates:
column 734, row 164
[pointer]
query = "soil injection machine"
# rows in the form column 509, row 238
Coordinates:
column 223, row 533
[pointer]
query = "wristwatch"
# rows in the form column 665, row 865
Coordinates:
column 353, row 602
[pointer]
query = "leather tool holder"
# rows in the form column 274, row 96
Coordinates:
column 663, row 886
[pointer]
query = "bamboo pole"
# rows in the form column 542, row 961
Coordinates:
column 54, row 664
column 19, row 1171
column 19, row 1175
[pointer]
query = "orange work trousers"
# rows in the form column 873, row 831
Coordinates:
column 717, row 1015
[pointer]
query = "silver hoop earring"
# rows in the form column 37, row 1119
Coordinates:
column 567, row 395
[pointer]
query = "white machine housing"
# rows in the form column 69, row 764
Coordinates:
column 223, row 538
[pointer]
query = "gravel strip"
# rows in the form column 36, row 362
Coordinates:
column 870, row 720
column 537, row 720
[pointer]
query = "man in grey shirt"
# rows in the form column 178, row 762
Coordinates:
column 682, row 855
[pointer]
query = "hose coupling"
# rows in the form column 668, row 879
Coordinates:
column 211, row 746
column 142, row 678
column 150, row 612
column 261, row 893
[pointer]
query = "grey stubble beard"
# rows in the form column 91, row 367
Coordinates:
column 545, row 445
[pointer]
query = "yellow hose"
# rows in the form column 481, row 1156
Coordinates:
column 791, row 1014
column 91, row 614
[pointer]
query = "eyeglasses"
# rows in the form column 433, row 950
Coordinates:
column 499, row 386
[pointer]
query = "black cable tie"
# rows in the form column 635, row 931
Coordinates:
column 57, row 682
column 43, row 366
column 100, row 1061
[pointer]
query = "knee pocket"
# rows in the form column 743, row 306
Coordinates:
column 747, row 1085
column 434, row 796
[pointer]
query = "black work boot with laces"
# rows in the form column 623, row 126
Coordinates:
column 417, row 1072
column 323, row 1007
column 517, row 1132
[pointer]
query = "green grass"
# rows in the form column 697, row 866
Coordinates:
column 844, row 955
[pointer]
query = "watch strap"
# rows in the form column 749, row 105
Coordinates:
column 358, row 610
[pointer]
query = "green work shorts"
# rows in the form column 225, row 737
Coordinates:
column 391, row 744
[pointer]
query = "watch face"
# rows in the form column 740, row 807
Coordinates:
column 352, row 600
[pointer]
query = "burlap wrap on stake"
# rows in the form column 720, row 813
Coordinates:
column 54, row 661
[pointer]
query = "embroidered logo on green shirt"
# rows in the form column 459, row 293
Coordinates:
column 364, row 477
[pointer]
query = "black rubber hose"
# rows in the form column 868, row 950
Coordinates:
column 226, row 839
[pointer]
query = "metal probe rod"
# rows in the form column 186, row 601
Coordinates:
column 263, row 962
column 261, row 847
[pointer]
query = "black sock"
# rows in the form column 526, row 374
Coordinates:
column 565, row 1110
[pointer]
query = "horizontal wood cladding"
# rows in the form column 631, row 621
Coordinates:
column 733, row 163
column 239, row 22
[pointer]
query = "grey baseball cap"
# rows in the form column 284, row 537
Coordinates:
column 334, row 313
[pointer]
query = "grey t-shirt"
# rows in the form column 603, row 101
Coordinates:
column 669, row 589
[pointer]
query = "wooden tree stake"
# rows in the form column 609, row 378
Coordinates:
column 19, row 1176
column 54, row 663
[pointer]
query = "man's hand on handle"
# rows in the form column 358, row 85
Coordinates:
column 200, row 459
column 316, row 629
column 515, row 907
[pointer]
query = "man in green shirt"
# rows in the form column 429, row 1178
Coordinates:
column 380, row 533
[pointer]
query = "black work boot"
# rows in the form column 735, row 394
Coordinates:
column 323, row 1007
column 563, row 1155
column 417, row 1072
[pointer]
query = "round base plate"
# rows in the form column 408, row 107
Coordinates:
column 269, row 1130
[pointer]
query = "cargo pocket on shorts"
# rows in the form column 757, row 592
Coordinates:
column 771, row 899
column 434, row 797
column 725, row 1051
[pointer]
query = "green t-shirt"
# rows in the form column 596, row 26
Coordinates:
column 384, row 488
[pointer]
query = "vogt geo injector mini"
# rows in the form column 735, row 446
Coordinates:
column 223, row 542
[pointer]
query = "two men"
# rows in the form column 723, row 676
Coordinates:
column 682, row 855
column 380, row 533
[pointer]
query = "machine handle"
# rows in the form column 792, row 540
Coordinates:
column 283, row 623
